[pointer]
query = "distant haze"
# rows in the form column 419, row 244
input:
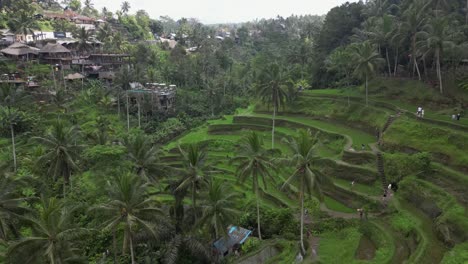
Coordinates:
column 224, row 11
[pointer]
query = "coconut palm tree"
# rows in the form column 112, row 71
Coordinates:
column 88, row 4
column 414, row 18
column 194, row 171
column 306, row 175
column 435, row 38
column 272, row 90
column 100, row 135
column 145, row 157
column 83, row 37
column 254, row 162
column 381, row 35
column 185, row 242
column 123, row 80
column 24, row 24
column 10, row 204
column 219, row 208
column 52, row 238
column 62, row 151
column 9, row 98
column 129, row 207
column 366, row 59
column 125, row 7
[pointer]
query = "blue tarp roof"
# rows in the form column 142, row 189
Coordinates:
column 236, row 235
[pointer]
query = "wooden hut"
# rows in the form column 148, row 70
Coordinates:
column 20, row 51
column 56, row 54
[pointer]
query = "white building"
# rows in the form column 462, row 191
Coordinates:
column 87, row 27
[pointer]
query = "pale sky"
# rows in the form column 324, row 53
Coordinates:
column 222, row 11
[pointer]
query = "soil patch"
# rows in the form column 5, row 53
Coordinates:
column 366, row 249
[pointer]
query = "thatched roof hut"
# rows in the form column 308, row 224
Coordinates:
column 74, row 76
column 54, row 49
column 19, row 49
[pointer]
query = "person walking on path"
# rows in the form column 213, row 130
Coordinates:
column 419, row 112
column 458, row 116
column 422, row 113
column 361, row 212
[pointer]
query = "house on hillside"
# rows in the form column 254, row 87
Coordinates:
column 236, row 236
column 6, row 37
column 56, row 54
column 161, row 97
column 171, row 43
column 20, row 51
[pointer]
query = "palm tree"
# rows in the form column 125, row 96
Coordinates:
column 381, row 35
column 366, row 60
column 218, row 208
column 123, row 80
column 194, row 171
column 53, row 234
column 145, row 157
column 100, row 135
column 10, row 205
column 272, row 89
column 9, row 117
column 129, row 207
column 213, row 92
column 435, row 38
column 125, row 7
column 185, row 242
column 414, row 18
column 88, row 4
column 83, row 37
column 62, row 151
column 10, row 97
column 254, row 162
column 306, row 175
column 23, row 24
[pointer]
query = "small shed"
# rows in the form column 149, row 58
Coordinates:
column 74, row 76
column 236, row 236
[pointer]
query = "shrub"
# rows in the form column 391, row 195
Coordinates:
column 331, row 224
column 251, row 245
column 399, row 165
column 459, row 254
column 403, row 223
column 274, row 222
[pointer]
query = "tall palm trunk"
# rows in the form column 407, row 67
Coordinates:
column 118, row 105
column 367, row 93
column 194, row 201
column 466, row 12
column 128, row 114
column 388, row 63
column 114, row 245
column 302, row 218
column 439, row 73
column 139, row 113
column 13, row 145
column 132, row 254
column 258, row 214
column 216, row 228
column 415, row 61
column 396, row 62
column 273, row 127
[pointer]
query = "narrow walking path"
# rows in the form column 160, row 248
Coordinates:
column 314, row 242
column 336, row 214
